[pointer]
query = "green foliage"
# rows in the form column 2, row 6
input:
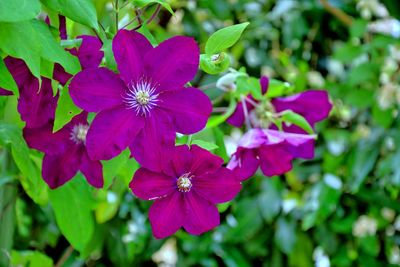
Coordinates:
column 224, row 38
column 143, row 3
column 18, row 10
column 7, row 81
column 66, row 109
column 82, row 11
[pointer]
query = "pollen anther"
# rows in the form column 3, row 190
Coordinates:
column 141, row 96
column 184, row 182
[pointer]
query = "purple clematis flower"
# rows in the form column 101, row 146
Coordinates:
column 186, row 191
column 146, row 103
column 272, row 150
column 313, row 105
column 65, row 152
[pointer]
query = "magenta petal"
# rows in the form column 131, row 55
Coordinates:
column 166, row 215
column 59, row 169
column 174, row 62
column 18, row 70
column 92, row 170
column 60, row 75
column 150, row 185
column 189, row 109
column 44, row 140
column 111, row 132
column 300, row 145
column 264, row 82
column 204, row 161
column 4, row 92
column 63, row 27
column 89, row 53
column 218, row 187
column 155, row 141
column 129, row 48
column 274, row 160
column 97, row 89
column 201, row 215
column 244, row 163
column 313, row 105
column 37, row 106
column 237, row 118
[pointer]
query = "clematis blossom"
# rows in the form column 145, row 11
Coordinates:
column 271, row 150
column 65, row 152
column 147, row 102
column 185, row 191
column 313, row 105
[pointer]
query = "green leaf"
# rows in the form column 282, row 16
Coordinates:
column 65, row 110
column 32, row 40
column 7, row 81
column 270, row 198
column 214, row 64
column 17, row 10
column 277, row 88
column 224, row 38
column 30, row 258
column 358, row 28
column 204, row 144
column 217, row 120
column 143, row 3
column 31, row 179
column 285, row 235
column 72, row 207
column 82, row 11
column 297, row 119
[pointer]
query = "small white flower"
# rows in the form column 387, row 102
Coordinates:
column 365, row 226
column 167, row 255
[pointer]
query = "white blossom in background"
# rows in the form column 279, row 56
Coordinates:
column 394, row 257
column 368, row 8
column 388, row 95
column 388, row 214
column 315, row 79
column 365, row 226
column 231, row 141
column 336, row 68
column 388, row 26
column 320, row 258
column 167, row 255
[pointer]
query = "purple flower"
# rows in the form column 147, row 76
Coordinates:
column 272, row 150
column 313, row 105
column 185, row 191
column 65, row 152
column 146, row 104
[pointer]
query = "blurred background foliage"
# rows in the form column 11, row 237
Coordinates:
column 340, row 209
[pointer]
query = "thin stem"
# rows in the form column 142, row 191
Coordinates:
column 64, row 257
column 255, row 104
column 343, row 17
column 246, row 114
column 116, row 15
column 155, row 13
column 207, row 86
column 220, row 109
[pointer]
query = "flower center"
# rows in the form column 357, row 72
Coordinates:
column 262, row 115
column 78, row 133
column 184, row 182
column 141, row 96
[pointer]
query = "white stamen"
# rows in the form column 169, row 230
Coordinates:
column 78, row 133
column 184, row 182
column 141, row 96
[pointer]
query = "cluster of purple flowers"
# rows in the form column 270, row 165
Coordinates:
column 142, row 108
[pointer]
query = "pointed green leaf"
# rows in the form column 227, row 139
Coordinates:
column 224, row 38
column 7, row 81
column 65, row 110
column 298, row 120
column 18, row 10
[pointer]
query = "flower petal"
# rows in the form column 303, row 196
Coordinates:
column 218, row 187
column 274, row 159
column 189, row 109
column 37, row 106
column 43, row 139
column 201, row 215
column 237, row 118
column 173, row 63
column 244, row 163
column 264, row 83
column 154, row 142
column 111, row 132
column 89, row 53
column 129, row 48
column 97, row 89
column 204, row 161
column 18, row 70
column 150, row 185
column 92, row 170
column 166, row 215
column 4, row 92
column 313, row 105
column 59, row 169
